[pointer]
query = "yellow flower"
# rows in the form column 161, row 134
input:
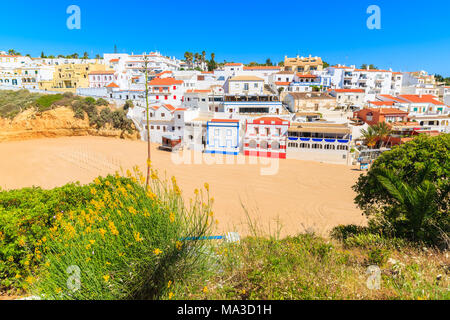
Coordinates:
column 107, row 183
column 21, row 242
column 102, row 231
column 179, row 245
column 121, row 254
column 106, row 278
column 29, row 279
column 113, row 229
column 142, row 178
column 10, row 258
column 92, row 241
column 88, row 247
column 18, row 276
column 157, row 252
column 44, row 239
column 108, row 263
column 171, row 295
column 151, row 195
column 169, row 284
column 205, row 289
column 196, row 191
column 149, row 162
column 58, row 290
column 172, row 217
column 88, row 259
column 137, row 237
column 97, row 181
column 207, row 186
column 93, row 191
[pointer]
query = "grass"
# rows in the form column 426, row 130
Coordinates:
column 307, row 267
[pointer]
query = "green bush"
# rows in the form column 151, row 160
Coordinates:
column 405, row 193
column 45, row 102
column 26, row 216
column 126, row 242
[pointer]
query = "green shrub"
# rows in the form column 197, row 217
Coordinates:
column 378, row 256
column 405, row 193
column 342, row 232
column 45, row 102
column 102, row 102
column 26, row 216
column 126, row 242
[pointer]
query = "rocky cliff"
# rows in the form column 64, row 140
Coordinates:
column 59, row 122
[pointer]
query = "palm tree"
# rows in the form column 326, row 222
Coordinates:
column 370, row 136
column 416, row 202
column 383, row 130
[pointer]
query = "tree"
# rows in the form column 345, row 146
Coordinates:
column 212, row 65
column 382, row 130
column 325, row 64
column 43, row 55
column 97, row 56
column 85, row 56
column 408, row 162
column 269, row 62
column 415, row 204
column 281, row 64
column 75, row 56
column 370, row 136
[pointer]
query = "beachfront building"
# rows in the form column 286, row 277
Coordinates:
column 303, row 65
column 266, row 137
column 318, row 141
column 223, row 136
column 308, row 101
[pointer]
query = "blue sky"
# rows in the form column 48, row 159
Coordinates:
column 414, row 34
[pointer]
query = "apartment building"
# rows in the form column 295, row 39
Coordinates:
column 303, row 65
column 223, row 137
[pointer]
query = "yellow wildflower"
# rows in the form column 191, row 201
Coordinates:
column 157, row 252
column 169, row 284
column 92, row 241
column 179, row 245
column 29, row 279
column 88, row 247
column 207, row 186
column 102, row 231
column 205, row 289
column 58, row 290
column 106, row 278
column 137, row 237
column 172, row 217
column 107, row 183
column 18, row 276
column 97, row 181
column 10, row 258
column 113, row 229
column 171, row 295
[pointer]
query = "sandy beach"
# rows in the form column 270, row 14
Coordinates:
column 291, row 194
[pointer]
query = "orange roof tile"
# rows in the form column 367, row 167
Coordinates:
column 164, row 82
column 349, row 90
column 426, row 98
column 112, row 85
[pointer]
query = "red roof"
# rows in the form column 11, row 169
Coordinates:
column 349, row 90
column 114, row 60
column 233, row 64
column 164, row 72
column 306, row 75
column 112, row 85
column 270, row 120
column 282, row 83
column 426, row 98
column 391, row 111
column 382, row 103
column 164, row 82
column 197, row 91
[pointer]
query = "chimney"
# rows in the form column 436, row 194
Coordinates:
column 367, row 68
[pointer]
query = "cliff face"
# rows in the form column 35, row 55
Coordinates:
column 54, row 123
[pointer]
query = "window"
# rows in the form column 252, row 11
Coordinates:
column 245, row 86
column 256, row 85
column 179, row 116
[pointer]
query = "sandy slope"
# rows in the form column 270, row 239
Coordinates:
column 300, row 195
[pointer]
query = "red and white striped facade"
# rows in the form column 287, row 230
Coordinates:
column 266, row 137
